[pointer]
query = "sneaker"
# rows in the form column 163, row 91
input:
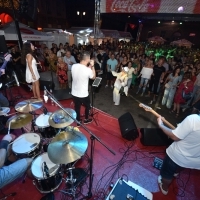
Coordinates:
column 160, row 185
column 106, row 86
column 87, row 121
column 151, row 102
column 176, row 174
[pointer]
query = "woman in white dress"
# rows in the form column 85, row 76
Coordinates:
column 32, row 75
column 121, row 80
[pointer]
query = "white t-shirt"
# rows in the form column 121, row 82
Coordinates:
column 186, row 152
column 80, row 78
column 146, row 72
column 59, row 52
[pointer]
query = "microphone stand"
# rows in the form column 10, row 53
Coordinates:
column 93, row 137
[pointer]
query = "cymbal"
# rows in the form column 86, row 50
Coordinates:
column 67, row 147
column 19, row 120
column 60, row 119
column 29, row 105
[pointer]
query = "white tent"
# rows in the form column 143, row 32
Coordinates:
column 156, row 39
column 182, row 42
column 27, row 33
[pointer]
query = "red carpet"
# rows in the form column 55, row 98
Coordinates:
column 132, row 161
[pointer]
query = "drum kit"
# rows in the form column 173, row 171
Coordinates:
column 66, row 144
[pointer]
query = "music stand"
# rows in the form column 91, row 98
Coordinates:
column 96, row 83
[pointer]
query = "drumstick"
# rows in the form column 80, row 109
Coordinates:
column 9, row 127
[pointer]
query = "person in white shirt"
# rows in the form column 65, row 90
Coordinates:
column 69, row 60
column 81, row 73
column 145, row 74
column 61, row 51
column 121, row 81
column 184, row 152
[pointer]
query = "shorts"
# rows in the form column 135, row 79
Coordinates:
column 110, row 77
column 169, row 168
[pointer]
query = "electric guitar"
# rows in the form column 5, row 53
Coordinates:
column 149, row 109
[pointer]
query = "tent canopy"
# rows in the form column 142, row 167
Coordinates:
column 27, row 33
column 182, row 42
column 157, row 39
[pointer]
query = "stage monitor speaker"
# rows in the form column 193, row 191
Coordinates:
column 154, row 137
column 62, row 94
column 48, row 84
column 3, row 46
column 128, row 128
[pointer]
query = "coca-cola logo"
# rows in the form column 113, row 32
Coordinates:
column 26, row 31
column 130, row 6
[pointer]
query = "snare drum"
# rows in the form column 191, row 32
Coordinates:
column 27, row 145
column 42, row 122
column 43, row 183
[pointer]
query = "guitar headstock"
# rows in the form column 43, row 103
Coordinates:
column 147, row 108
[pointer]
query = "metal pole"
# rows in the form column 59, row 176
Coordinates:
column 16, row 25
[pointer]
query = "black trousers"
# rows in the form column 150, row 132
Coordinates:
column 154, row 84
column 78, row 102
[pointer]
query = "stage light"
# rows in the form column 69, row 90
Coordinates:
column 172, row 21
column 84, row 13
column 180, row 23
column 180, row 9
column 158, row 22
column 129, row 16
column 78, row 12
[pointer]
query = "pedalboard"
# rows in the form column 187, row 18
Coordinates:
column 157, row 163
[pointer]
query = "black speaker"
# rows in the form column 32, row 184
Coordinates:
column 154, row 137
column 48, row 84
column 3, row 46
column 128, row 128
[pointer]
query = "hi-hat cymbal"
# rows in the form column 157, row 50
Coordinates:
column 60, row 119
column 19, row 121
column 67, row 147
column 29, row 105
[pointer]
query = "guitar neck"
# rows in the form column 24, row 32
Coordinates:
column 163, row 119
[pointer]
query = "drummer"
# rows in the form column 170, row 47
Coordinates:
column 3, row 119
column 9, row 170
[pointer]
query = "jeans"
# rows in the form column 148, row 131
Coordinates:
column 78, row 101
column 153, row 84
column 9, row 173
column 3, row 101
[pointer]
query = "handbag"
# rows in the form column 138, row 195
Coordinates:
column 187, row 96
column 121, row 91
column 167, row 85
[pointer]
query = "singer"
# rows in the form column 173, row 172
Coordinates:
column 81, row 73
column 32, row 75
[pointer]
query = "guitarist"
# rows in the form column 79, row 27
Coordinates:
column 184, row 152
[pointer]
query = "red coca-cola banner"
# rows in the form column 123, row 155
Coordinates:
column 151, row 6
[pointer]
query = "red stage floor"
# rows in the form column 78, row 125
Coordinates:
column 132, row 161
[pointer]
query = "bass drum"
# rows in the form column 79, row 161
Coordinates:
column 46, row 182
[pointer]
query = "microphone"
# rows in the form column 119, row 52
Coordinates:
column 45, row 95
column 46, row 169
column 16, row 79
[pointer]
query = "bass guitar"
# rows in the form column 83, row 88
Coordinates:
column 149, row 109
